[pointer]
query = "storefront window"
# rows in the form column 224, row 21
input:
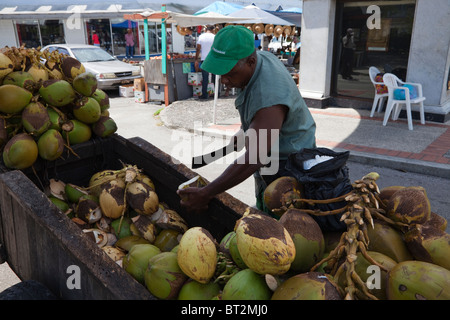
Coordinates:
column 99, row 33
column 119, row 28
column 35, row 33
column 52, row 31
column 384, row 45
column 28, row 33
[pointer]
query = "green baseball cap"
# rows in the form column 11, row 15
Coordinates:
column 231, row 44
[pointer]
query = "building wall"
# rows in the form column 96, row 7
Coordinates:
column 429, row 58
column 74, row 31
column 8, row 34
column 177, row 40
column 317, row 48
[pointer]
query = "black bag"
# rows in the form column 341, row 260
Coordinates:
column 325, row 180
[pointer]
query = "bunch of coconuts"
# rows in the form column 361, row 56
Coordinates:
column 267, row 258
column 121, row 212
column 408, row 239
column 47, row 106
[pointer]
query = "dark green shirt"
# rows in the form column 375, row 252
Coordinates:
column 271, row 84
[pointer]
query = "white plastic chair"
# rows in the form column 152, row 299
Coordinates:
column 394, row 83
column 378, row 100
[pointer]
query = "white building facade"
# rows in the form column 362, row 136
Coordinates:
column 410, row 38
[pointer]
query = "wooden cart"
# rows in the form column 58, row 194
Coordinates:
column 40, row 243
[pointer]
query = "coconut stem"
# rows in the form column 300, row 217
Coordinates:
column 326, row 201
column 319, row 213
column 362, row 205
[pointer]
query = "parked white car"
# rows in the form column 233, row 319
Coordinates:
column 110, row 72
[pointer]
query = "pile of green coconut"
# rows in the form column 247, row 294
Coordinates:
column 48, row 102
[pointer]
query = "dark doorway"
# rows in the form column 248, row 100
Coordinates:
column 385, row 46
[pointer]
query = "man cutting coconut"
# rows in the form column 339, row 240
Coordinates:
column 274, row 116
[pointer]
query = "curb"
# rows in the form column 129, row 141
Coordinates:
column 401, row 164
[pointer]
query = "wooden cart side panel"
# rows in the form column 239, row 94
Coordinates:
column 54, row 242
column 7, row 228
column 43, row 243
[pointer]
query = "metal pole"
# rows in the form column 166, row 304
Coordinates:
column 163, row 42
column 216, row 95
column 164, row 56
column 39, row 32
column 111, row 39
column 147, row 49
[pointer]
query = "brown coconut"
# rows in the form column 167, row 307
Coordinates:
column 307, row 236
column 385, row 239
column 142, row 198
column 429, row 244
column 409, row 205
column 387, row 192
column 281, row 192
column 308, row 286
column 112, row 198
column 436, row 221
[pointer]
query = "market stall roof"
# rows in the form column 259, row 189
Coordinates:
column 60, row 9
column 184, row 20
column 187, row 20
column 293, row 15
column 220, row 7
column 264, row 16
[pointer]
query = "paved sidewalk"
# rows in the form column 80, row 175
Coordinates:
column 426, row 149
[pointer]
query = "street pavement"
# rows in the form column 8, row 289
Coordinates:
column 190, row 128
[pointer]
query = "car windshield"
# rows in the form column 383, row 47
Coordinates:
column 91, row 55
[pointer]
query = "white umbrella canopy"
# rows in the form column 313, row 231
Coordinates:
column 185, row 20
column 264, row 16
column 221, row 7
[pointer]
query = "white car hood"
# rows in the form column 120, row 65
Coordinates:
column 109, row 66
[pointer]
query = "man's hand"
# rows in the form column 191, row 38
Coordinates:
column 197, row 66
column 194, row 199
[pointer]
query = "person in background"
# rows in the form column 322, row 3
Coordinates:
column 204, row 43
column 275, row 120
column 129, row 42
column 348, row 49
column 95, row 39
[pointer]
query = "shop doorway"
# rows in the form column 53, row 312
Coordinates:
column 99, row 32
column 385, row 46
